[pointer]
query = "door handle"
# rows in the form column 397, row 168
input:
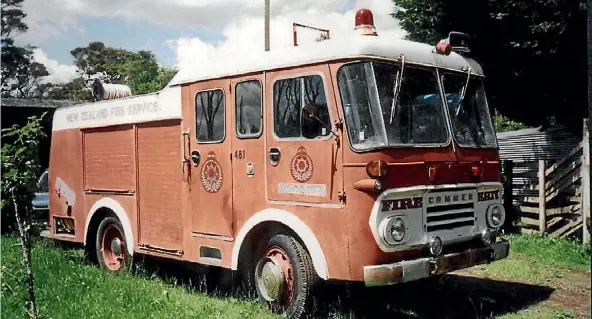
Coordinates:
column 195, row 158
column 274, row 156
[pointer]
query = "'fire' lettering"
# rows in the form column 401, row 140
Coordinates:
column 403, row 203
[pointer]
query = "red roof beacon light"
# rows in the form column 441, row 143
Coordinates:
column 443, row 47
column 365, row 22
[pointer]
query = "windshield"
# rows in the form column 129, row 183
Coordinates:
column 374, row 120
column 471, row 122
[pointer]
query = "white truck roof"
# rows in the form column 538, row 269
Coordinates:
column 333, row 49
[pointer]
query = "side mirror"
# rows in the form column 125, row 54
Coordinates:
column 460, row 42
column 312, row 125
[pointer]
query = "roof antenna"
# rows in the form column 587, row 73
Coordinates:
column 266, row 25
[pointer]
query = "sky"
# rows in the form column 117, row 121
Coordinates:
column 184, row 33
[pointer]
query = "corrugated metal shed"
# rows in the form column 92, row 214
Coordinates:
column 534, row 144
column 526, row 147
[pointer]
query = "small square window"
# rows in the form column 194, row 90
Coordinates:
column 248, row 109
column 300, row 108
column 210, row 116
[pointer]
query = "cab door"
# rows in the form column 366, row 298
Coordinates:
column 248, row 151
column 303, row 153
column 211, row 167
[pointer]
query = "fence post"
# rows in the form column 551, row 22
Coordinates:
column 542, row 198
column 508, row 171
column 585, row 178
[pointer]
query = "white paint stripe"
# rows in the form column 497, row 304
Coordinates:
column 163, row 105
column 293, row 222
column 107, row 202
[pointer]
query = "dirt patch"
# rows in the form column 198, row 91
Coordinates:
column 570, row 286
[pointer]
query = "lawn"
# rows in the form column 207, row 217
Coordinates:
column 542, row 278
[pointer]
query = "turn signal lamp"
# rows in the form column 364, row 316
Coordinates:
column 376, row 169
column 476, row 171
column 433, row 173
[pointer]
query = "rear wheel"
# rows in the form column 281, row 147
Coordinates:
column 284, row 276
column 110, row 246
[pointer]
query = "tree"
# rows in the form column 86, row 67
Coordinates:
column 96, row 58
column 20, row 74
column 143, row 74
column 530, row 51
column 12, row 17
column 138, row 70
column 74, row 90
column 20, row 170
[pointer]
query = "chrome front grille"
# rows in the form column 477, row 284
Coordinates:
column 450, row 209
column 449, row 216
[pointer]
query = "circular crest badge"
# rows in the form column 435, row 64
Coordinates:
column 301, row 166
column 211, row 174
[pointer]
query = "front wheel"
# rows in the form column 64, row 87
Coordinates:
column 110, row 245
column 284, row 276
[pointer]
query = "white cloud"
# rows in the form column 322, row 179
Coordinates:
column 239, row 21
column 245, row 36
column 58, row 73
column 49, row 19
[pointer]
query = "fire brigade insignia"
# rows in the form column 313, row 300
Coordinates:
column 301, row 166
column 211, row 174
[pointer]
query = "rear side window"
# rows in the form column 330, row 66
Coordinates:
column 42, row 184
column 248, row 109
column 300, row 108
column 209, row 116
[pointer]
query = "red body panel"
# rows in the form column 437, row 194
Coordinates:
column 177, row 206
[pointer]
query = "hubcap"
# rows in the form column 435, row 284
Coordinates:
column 271, row 278
column 113, row 248
column 275, row 277
column 116, row 246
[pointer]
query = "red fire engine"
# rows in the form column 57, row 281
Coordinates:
column 364, row 159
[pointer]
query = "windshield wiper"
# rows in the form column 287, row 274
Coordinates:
column 463, row 90
column 397, row 89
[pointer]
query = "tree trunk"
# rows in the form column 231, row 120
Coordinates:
column 26, row 258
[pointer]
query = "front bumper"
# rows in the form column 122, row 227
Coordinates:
column 410, row 270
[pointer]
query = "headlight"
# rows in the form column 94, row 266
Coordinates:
column 496, row 215
column 393, row 230
column 398, row 229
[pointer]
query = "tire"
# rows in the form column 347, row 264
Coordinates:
column 110, row 246
column 284, row 276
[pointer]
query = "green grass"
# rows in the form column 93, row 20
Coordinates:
column 537, row 259
column 540, row 312
column 544, row 249
column 68, row 288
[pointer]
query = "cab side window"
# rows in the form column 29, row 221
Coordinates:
column 300, row 108
column 209, row 116
column 248, row 109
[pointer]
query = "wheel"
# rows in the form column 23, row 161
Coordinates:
column 111, row 250
column 284, row 276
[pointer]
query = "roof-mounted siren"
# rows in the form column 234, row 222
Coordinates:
column 365, row 22
column 107, row 91
column 456, row 41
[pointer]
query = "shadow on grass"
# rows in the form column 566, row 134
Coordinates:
column 453, row 296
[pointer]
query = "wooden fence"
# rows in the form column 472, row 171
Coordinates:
column 551, row 196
